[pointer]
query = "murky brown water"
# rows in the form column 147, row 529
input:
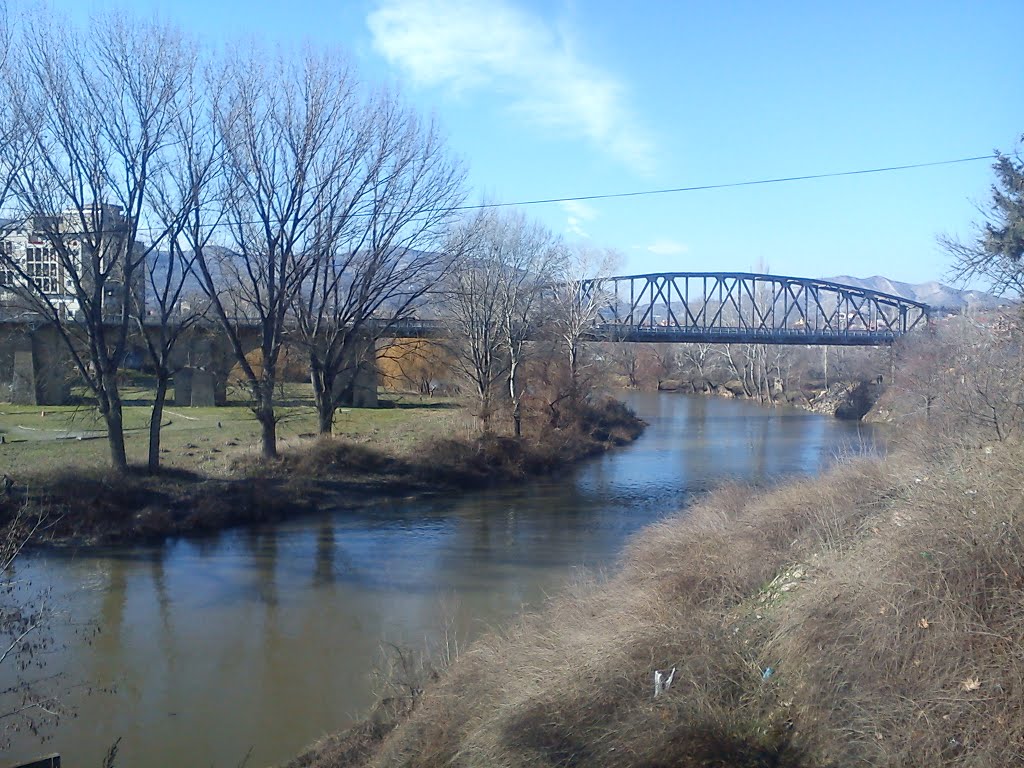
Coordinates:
column 265, row 638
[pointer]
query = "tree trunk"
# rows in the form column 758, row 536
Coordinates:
column 115, row 433
column 268, row 426
column 325, row 417
column 264, row 413
column 485, row 409
column 517, row 417
column 556, row 415
column 323, row 398
column 153, row 466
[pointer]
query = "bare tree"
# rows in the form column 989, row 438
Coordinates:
column 10, row 161
column 185, row 211
column 579, row 297
column 985, row 371
column 93, row 111
column 530, row 258
column 472, row 297
column 162, row 326
column 626, row 355
column 663, row 361
column 381, row 249
column 699, row 356
column 280, row 122
column 925, row 377
column 738, row 366
column 492, row 301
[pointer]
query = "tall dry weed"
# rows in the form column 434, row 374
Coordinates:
column 908, row 651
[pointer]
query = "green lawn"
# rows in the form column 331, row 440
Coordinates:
column 39, row 439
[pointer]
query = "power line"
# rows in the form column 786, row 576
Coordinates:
column 675, row 190
column 748, row 183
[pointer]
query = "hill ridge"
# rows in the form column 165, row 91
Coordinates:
column 933, row 293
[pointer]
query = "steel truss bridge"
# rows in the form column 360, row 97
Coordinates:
column 709, row 308
column 746, row 308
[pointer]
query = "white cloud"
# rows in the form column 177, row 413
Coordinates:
column 665, row 247
column 578, row 213
column 466, row 45
column 575, row 227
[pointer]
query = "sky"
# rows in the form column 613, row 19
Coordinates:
column 568, row 98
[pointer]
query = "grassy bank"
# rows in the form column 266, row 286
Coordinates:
column 872, row 616
column 213, row 478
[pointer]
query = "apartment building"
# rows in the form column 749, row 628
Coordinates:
column 52, row 252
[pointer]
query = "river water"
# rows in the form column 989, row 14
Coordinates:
column 266, row 638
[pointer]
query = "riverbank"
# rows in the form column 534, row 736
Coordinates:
column 868, row 616
column 82, row 503
column 848, row 400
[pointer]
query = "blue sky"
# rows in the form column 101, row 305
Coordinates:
column 581, row 97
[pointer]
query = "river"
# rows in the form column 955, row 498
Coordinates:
column 265, row 638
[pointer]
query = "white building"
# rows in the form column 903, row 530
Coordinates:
column 28, row 252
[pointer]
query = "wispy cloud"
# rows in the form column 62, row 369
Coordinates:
column 467, row 45
column 578, row 213
column 665, row 247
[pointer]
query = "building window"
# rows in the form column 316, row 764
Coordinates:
column 7, row 273
column 42, row 268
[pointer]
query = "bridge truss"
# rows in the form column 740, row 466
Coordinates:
column 746, row 308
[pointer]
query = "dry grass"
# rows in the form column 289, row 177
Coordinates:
column 385, row 452
column 462, row 458
column 40, row 440
column 908, row 651
column 886, row 599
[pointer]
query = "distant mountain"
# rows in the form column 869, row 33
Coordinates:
column 934, row 294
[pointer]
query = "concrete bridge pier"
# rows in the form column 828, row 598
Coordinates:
column 356, row 387
column 34, row 367
column 202, row 376
column 199, row 388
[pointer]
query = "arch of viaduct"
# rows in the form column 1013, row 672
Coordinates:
column 678, row 307
column 36, row 369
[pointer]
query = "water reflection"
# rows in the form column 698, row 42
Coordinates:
column 266, row 637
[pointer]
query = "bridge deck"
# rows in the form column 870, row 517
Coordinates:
column 784, row 336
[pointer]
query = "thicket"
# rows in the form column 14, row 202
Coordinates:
column 767, row 373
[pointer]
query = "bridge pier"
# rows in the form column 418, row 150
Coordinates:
column 23, row 380
column 356, row 386
column 203, row 362
column 199, row 388
column 33, row 367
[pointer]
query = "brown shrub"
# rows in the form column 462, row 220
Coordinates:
column 328, row 454
column 491, row 457
column 908, row 651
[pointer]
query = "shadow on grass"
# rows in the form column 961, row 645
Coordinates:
column 418, row 406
